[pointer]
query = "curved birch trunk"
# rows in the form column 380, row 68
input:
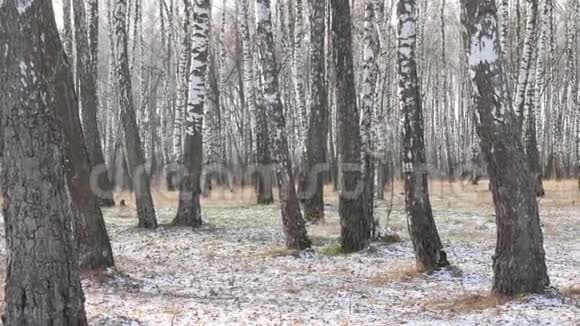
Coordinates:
column 133, row 147
column 294, row 226
column 429, row 252
column 519, row 263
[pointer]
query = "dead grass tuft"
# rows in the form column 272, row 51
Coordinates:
column 332, row 250
column 391, row 237
column 572, row 291
column 277, row 252
column 402, row 273
column 468, row 303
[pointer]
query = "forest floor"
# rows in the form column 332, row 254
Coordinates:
column 235, row 270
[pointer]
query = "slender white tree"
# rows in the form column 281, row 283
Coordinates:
column 132, row 145
column 429, row 252
column 189, row 208
column 294, row 226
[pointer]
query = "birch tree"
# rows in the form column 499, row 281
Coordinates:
column 87, row 69
column 318, row 124
column 42, row 280
column 293, row 223
column 429, row 252
column 526, row 60
column 355, row 228
column 368, row 108
column 519, row 262
column 189, row 208
column 446, row 111
column 132, row 144
column 259, row 121
column 182, row 82
column 90, row 232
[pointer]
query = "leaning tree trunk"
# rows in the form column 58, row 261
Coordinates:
column 189, row 208
column 294, row 226
column 87, row 65
column 42, row 284
column 133, row 149
column 355, row 229
column 91, row 235
column 429, row 252
column 519, row 262
column 318, row 126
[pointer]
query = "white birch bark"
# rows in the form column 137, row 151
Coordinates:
column 526, row 60
column 294, row 226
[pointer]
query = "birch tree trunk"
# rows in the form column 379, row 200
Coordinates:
column 526, row 61
column 294, row 226
column 368, row 108
column 133, row 147
column 87, row 65
column 448, row 113
column 67, row 39
column 318, row 125
column 355, row 229
column 91, row 234
column 259, row 120
column 504, row 19
column 540, row 87
column 42, row 281
column 519, row 262
column 429, row 252
column 189, row 208
column 578, row 99
column 300, row 51
column 182, row 82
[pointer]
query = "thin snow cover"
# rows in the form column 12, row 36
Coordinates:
column 483, row 45
column 235, row 271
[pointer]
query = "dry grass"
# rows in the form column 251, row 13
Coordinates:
column 277, row 252
column 332, row 250
column 219, row 197
column 457, row 195
column 467, row 303
column 562, row 193
column 462, row 194
column 572, row 291
column 401, row 273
